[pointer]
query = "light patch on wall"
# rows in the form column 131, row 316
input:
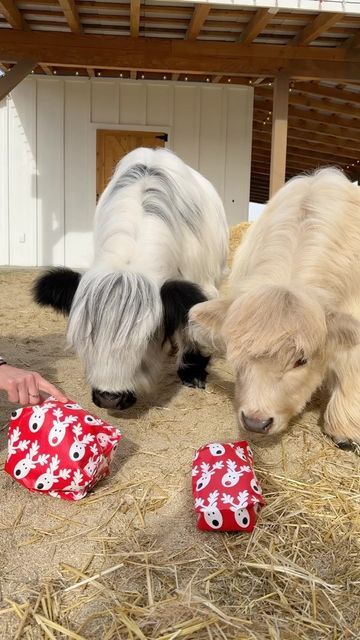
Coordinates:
column 255, row 209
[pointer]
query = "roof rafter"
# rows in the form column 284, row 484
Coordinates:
column 71, row 14
column 323, row 22
column 256, row 25
column 12, row 14
column 201, row 12
column 134, row 18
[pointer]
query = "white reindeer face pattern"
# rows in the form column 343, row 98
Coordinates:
column 58, row 430
column 242, row 517
column 234, row 473
column 216, row 449
column 227, row 494
column 68, row 457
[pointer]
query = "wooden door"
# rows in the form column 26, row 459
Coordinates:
column 111, row 146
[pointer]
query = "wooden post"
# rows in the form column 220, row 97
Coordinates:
column 15, row 76
column 279, row 132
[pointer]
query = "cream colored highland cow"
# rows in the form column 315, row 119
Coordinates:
column 290, row 320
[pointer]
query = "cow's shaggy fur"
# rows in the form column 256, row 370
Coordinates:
column 160, row 247
column 290, row 319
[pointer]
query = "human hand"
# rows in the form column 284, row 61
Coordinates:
column 25, row 387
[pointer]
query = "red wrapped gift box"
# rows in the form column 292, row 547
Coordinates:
column 59, row 449
column 227, row 494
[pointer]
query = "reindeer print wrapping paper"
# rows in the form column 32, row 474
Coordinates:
column 227, row 494
column 59, row 449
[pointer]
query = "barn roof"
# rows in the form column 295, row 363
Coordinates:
column 214, row 43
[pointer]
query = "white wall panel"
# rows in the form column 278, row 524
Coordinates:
column 212, row 144
column 105, row 102
column 22, row 175
column 4, row 180
column 50, row 171
column 49, row 164
column 187, row 123
column 78, row 216
column 132, row 103
column 159, row 104
column 238, row 154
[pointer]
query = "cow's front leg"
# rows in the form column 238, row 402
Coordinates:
column 342, row 415
column 192, row 369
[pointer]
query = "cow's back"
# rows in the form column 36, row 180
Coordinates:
column 308, row 234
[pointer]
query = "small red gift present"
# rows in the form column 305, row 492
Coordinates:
column 59, row 449
column 227, row 494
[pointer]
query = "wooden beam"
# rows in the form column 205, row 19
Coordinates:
column 311, row 134
column 71, row 14
column 15, row 76
column 90, row 72
column 323, row 22
column 179, row 56
column 313, row 103
column 175, row 76
column 12, row 14
column 279, row 132
column 327, row 92
column 201, row 12
column 353, row 42
column 296, row 140
column 3, row 67
column 45, row 69
column 255, row 25
column 133, row 75
column 314, row 116
column 134, row 18
column 216, row 79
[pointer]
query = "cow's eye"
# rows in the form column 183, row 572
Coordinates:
column 300, row 363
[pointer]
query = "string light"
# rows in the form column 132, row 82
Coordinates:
column 142, row 76
column 121, row 75
column 54, row 72
column 164, row 77
column 33, row 71
column 186, row 78
column 229, row 79
column 76, row 73
column 99, row 73
column 207, row 79
column 250, row 81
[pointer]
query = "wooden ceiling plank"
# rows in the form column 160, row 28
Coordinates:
column 313, row 103
column 201, row 12
column 314, row 116
column 255, row 25
column 307, row 143
column 322, row 23
column 326, row 91
column 71, row 14
column 134, row 18
column 12, row 14
column 179, row 56
column 312, row 135
column 20, row 71
column 353, row 42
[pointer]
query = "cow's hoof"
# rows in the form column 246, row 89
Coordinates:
column 348, row 445
column 195, row 383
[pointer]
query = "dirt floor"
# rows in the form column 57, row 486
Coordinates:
column 296, row 576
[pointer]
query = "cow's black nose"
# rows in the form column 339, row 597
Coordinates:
column 110, row 400
column 255, row 425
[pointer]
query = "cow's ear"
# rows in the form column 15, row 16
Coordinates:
column 56, row 288
column 210, row 315
column 343, row 330
column 178, row 297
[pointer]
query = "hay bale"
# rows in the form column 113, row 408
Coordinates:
column 236, row 236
